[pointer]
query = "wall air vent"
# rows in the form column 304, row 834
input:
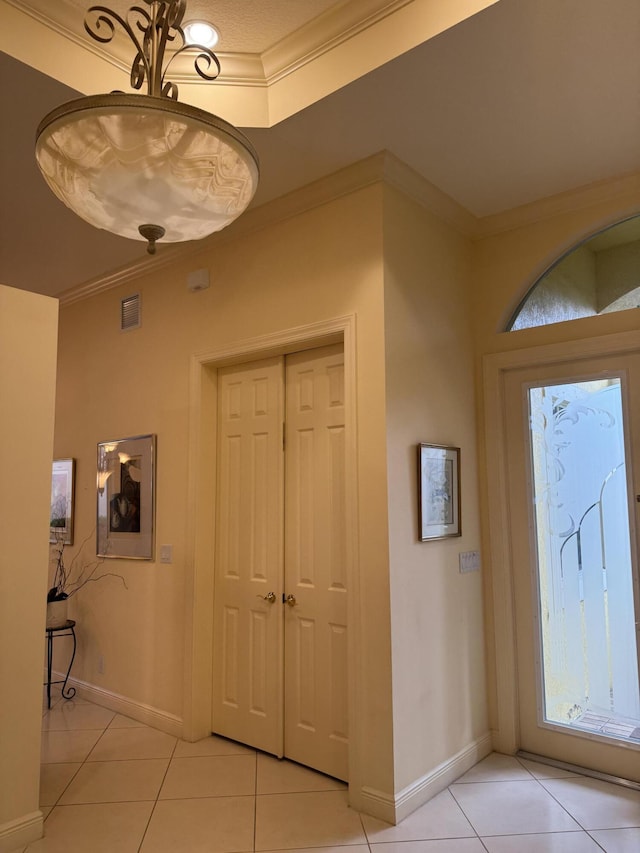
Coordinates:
column 130, row 313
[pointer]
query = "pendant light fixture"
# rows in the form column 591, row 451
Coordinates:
column 147, row 166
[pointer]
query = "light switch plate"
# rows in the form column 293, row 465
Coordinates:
column 166, row 553
column 469, row 561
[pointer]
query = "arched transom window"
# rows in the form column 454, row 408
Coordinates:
column 598, row 276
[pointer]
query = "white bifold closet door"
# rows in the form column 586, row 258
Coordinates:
column 280, row 610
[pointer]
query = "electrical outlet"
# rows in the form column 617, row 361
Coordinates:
column 101, row 664
column 469, row 561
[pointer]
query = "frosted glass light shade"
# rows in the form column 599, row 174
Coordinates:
column 121, row 161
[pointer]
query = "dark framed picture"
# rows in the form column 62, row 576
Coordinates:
column 126, row 497
column 62, row 498
column 438, row 491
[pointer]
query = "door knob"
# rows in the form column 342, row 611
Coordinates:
column 270, row 597
column 291, row 600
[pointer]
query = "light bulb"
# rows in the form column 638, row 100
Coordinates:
column 199, row 32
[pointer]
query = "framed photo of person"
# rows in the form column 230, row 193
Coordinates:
column 126, row 497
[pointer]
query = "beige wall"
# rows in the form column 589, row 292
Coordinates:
column 425, row 301
column 439, row 701
column 28, row 331
column 413, row 381
column 323, row 264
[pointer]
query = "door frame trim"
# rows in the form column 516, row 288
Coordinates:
column 200, row 534
column 499, row 589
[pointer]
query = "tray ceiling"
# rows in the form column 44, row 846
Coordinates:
column 498, row 104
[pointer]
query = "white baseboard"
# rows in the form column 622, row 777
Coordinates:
column 146, row 714
column 395, row 808
column 424, row 789
column 16, row 834
column 376, row 803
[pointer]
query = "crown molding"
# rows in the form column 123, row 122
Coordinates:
column 401, row 176
column 382, row 167
column 63, row 27
column 238, row 69
column 343, row 182
column 599, row 192
column 65, row 12
column 241, row 69
column 320, row 35
column 122, row 275
column 252, row 90
column 386, row 168
column 336, row 26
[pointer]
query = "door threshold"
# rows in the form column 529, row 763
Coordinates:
column 582, row 771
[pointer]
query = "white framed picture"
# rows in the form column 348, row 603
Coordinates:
column 126, row 497
column 438, row 491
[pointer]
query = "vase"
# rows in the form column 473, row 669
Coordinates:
column 56, row 613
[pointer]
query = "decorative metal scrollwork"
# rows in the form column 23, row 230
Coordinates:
column 151, row 31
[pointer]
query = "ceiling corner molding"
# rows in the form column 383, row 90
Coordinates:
column 62, row 29
column 237, row 69
column 412, row 184
column 345, row 181
column 36, row 29
column 334, row 27
column 122, row 275
column 378, row 168
column 623, row 187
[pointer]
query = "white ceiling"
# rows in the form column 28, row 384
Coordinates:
column 521, row 101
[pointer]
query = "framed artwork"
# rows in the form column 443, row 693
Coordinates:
column 438, row 491
column 126, row 497
column 62, row 501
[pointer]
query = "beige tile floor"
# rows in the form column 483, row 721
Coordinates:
column 112, row 785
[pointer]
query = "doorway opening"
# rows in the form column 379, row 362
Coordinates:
column 200, row 557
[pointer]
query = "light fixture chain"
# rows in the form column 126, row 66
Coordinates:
column 205, row 55
column 158, row 27
column 140, row 66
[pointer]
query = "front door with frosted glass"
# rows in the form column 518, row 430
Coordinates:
column 572, row 431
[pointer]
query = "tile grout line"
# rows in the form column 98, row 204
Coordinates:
column 154, row 801
column 483, row 781
column 364, row 832
column 449, row 789
column 106, row 761
column 572, row 816
column 157, row 797
column 562, row 806
column 595, row 841
column 81, row 763
column 255, row 805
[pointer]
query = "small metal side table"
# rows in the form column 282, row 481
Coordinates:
column 66, row 630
